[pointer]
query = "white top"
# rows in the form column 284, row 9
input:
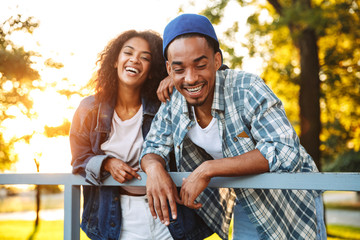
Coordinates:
column 125, row 143
column 207, row 138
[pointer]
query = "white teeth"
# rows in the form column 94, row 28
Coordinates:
column 131, row 69
column 194, row 89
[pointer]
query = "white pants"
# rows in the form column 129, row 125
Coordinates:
column 137, row 221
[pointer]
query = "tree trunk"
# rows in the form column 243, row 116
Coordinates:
column 37, row 205
column 309, row 99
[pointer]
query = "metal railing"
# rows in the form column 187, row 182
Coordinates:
column 72, row 184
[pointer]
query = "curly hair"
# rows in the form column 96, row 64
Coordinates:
column 106, row 81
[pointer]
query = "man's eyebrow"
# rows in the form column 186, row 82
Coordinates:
column 176, row 63
column 127, row 46
column 200, row 58
column 195, row 60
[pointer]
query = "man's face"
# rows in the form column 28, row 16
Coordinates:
column 192, row 64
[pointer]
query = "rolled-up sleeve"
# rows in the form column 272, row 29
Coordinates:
column 274, row 135
column 94, row 173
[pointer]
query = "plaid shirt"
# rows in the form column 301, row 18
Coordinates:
column 250, row 116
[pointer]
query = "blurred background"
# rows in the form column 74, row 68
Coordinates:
column 307, row 51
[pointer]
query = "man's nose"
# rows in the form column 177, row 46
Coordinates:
column 191, row 76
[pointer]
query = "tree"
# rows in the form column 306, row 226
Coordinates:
column 311, row 50
column 16, row 77
column 5, row 156
column 16, row 73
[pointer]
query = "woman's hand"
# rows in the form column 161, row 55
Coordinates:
column 120, row 171
column 165, row 89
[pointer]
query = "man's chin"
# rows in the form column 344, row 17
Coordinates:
column 195, row 103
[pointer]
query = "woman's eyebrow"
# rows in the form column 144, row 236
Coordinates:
column 127, row 46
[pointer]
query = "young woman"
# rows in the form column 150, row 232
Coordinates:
column 107, row 133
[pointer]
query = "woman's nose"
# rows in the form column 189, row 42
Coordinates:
column 134, row 59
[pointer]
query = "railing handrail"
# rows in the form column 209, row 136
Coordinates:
column 299, row 181
column 72, row 183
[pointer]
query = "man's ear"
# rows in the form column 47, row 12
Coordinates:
column 168, row 68
column 218, row 60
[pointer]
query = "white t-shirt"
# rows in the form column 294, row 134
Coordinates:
column 125, row 143
column 207, row 138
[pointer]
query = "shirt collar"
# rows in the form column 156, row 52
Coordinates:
column 219, row 100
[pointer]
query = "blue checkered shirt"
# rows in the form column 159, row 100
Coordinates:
column 242, row 103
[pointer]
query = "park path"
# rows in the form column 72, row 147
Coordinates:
column 341, row 216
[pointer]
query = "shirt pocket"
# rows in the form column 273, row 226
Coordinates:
column 239, row 142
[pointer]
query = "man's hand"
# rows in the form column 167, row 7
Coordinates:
column 165, row 89
column 252, row 162
column 193, row 185
column 161, row 190
column 120, row 171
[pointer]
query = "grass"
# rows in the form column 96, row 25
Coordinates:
column 336, row 232
column 21, row 230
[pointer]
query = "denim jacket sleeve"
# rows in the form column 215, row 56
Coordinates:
column 85, row 142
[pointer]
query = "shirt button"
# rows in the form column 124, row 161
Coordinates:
column 116, row 199
column 112, row 224
column 188, row 128
column 235, row 139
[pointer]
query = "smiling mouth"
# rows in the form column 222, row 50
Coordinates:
column 132, row 70
column 194, row 89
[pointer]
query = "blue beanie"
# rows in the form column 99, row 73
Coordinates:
column 188, row 23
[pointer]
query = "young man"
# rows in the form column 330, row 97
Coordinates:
column 225, row 123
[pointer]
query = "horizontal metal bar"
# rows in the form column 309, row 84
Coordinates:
column 314, row 181
column 42, row 178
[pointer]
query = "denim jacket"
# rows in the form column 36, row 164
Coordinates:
column 101, row 218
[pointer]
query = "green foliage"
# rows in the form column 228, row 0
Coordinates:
column 215, row 11
column 16, row 78
column 16, row 73
column 62, row 130
column 6, row 158
column 345, row 162
column 51, row 63
column 275, row 39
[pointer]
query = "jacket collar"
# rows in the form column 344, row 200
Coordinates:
column 106, row 111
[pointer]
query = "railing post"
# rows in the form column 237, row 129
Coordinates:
column 71, row 212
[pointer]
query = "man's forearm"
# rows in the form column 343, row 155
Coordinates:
column 151, row 160
column 252, row 162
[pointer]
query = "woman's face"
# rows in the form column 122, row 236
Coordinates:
column 133, row 63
